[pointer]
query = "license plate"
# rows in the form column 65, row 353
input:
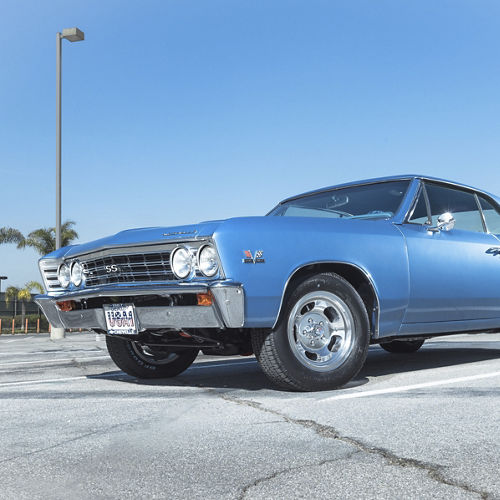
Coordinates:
column 120, row 319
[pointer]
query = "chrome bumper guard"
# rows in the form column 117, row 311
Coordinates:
column 227, row 311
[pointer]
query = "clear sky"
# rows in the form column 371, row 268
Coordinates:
column 177, row 111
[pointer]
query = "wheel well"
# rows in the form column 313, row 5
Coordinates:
column 355, row 276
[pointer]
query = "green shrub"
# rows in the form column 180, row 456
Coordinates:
column 19, row 328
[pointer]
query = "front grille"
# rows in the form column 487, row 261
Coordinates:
column 133, row 268
column 50, row 278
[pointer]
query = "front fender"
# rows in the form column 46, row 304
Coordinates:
column 289, row 243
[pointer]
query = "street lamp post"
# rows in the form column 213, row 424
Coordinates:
column 73, row 35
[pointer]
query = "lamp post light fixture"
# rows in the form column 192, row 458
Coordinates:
column 73, row 35
column 2, row 278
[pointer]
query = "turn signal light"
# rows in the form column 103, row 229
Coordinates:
column 67, row 305
column 204, row 299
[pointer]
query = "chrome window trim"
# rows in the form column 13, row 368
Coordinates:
column 456, row 187
column 493, row 203
column 485, row 226
column 449, row 185
column 421, row 191
column 330, row 189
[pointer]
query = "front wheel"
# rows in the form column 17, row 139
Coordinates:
column 321, row 340
column 141, row 361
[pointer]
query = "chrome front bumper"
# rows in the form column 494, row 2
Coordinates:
column 227, row 310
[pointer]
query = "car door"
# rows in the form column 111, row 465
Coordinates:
column 452, row 274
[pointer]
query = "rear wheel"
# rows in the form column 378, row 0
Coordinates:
column 321, row 340
column 401, row 346
column 142, row 361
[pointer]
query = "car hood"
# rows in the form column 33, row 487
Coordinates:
column 215, row 229
column 140, row 236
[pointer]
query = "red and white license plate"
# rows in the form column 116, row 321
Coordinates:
column 120, row 319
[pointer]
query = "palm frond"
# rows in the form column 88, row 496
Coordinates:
column 34, row 285
column 68, row 234
column 11, row 235
column 11, row 293
column 24, row 295
column 43, row 240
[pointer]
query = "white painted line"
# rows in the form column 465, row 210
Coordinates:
column 238, row 363
column 43, row 381
column 56, row 360
column 404, row 388
column 62, row 379
column 45, row 353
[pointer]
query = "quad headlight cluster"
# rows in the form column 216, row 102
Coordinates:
column 184, row 261
column 70, row 273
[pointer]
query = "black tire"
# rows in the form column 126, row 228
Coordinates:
column 279, row 351
column 131, row 357
column 402, row 346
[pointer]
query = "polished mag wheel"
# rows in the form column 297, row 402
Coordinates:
column 321, row 339
column 320, row 330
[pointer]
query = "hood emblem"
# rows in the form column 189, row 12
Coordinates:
column 250, row 259
column 179, row 233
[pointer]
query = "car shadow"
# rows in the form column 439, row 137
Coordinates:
column 245, row 373
column 431, row 356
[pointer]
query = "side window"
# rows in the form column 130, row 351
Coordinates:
column 491, row 216
column 419, row 215
column 461, row 204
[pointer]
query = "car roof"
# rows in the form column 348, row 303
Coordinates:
column 392, row 178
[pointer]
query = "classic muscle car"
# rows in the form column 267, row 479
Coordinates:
column 306, row 288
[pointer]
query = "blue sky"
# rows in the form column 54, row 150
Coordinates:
column 177, row 111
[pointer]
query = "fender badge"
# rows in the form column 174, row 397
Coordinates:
column 250, row 259
column 493, row 251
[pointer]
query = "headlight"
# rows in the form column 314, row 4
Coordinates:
column 207, row 261
column 181, row 262
column 76, row 273
column 64, row 275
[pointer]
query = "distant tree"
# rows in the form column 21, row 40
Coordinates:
column 43, row 240
column 11, row 295
column 24, row 295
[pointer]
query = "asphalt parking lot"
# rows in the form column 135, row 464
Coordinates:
column 425, row 425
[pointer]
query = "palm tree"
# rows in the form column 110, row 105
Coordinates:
column 24, row 296
column 12, row 293
column 43, row 240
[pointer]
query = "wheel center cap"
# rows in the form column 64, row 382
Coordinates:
column 313, row 333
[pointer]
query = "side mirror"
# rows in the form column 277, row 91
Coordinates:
column 445, row 222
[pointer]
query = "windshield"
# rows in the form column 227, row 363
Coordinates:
column 374, row 201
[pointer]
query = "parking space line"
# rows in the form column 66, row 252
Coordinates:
column 61, row 379
column 405, row 388
column 45, row 353
column 57, row 360
column 42, row 381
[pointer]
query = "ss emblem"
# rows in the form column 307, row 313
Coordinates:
column 112, row 269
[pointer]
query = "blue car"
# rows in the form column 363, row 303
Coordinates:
column 306, row 288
